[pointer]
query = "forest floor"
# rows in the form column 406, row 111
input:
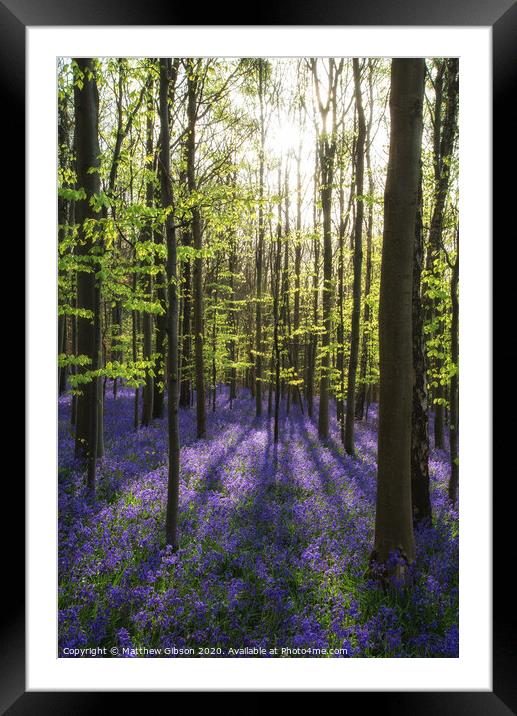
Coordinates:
column 274, row 543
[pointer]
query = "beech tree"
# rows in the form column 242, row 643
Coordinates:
column 358, row 258
column 393, row 519
column 194, row 79
column 444, row 138
column 86, row 103
column 327, row 141
column 171, row 526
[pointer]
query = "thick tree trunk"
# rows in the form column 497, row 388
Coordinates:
column 86, row 102
column 393, row 520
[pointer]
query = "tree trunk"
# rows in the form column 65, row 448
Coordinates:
column 393, row 520
column 454, row 397
column 192, row 88
column 232, row 263
column 442, row 174
column 214, row 347
column 171, row 525
column 116, row 331
column 326, row 159
column 135, row 331
column 358, row 259
column 327, row 151
column 313, row 344
column 364, row 384
column 297, row 271
column 260, row 250
column 148, row 392
column 86, row 101
column 422, row 512
column 340, row 357
column 186, row 348
column 276, row 309
column 62, row 341
column 285, row 316
column 160, row 338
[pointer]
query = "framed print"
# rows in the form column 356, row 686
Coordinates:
column 244, row 242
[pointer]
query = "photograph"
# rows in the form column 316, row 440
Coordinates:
column 258, row 357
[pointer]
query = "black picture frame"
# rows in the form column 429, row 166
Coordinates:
column 501, row 15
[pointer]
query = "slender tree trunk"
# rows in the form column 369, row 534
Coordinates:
column 364, row 384
column 361, row 394
column 135, row 331
column 422, row 512
column 276, row 310
column 185, row 389
column 326, row 160
column 73, row 414
column 270, row 386
column 96, row 398
column 116, row 329
column 160, row 286
column 147, row 319
column 340, row 358
column 148, row 389
column 297, row 272
column 160, row 337
column 358, row 259
column 442, row 173
column 327, row 151
column 171, row 525
column 313, row 345
column 393, row 520
column 285, row 316
column 62, row 341
column 260, row 249
column 454, row 396
column 232, row 261
column 214, row 346
column 192, row 88
column 62, row 220
column 100, row 392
